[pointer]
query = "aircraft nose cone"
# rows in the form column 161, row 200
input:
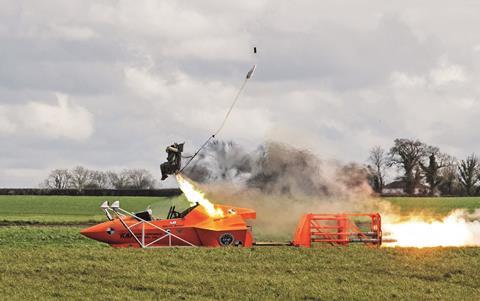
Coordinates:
column 88, row 232
column 101, row 232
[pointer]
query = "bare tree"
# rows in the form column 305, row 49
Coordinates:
column 80, row 176
column 97, row 180
column 140, row 179
column 58, row 179
column 406, row 154
column 436, row 161
column 378, row 161
column 118, row 180
column 449, row 184
column 468, row 173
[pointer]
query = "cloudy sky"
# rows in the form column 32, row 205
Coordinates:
column 107, row 84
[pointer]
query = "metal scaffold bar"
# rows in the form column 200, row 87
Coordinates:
column 338, row 229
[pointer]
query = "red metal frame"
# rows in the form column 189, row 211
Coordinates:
column 337, row 229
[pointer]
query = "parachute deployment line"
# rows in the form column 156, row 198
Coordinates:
column 231, row 107
column 242, row 87
column 196, row 153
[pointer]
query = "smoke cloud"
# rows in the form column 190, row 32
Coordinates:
column 281, row 183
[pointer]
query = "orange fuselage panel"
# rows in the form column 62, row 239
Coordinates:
column 197, row 228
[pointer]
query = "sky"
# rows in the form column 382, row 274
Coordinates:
column 108, row 84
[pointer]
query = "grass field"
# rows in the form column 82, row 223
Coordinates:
column 52, row 262
column 85, row 209
column 73, row 209
column 436, row 206
column 56, row 262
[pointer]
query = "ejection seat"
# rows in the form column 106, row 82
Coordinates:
column 172, row 213
column 145, row 215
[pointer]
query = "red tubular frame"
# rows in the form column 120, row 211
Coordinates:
column 337, row 229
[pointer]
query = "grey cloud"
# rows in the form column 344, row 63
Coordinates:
column 347, row 58
column 334, row 77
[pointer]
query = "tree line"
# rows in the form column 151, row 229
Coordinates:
column 420, row 164
column 81, row 178
column 424, row 165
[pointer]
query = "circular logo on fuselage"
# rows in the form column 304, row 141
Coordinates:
column 226, row 239
column 110, row 231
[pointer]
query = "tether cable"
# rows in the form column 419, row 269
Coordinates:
column 222, row 125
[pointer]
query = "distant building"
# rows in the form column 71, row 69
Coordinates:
column 398, row 188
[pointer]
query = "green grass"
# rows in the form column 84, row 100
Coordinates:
column 57, row 263
column 435, row 206
column 73, row 209
column 85, row 209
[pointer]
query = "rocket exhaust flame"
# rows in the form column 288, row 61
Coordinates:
column 194, row 196
column 418, row 231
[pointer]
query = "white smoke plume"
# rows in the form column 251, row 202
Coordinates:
column 281, row 183
column 276, row 168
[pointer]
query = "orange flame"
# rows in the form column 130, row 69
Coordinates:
column 453, row 230
column 194, row 196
